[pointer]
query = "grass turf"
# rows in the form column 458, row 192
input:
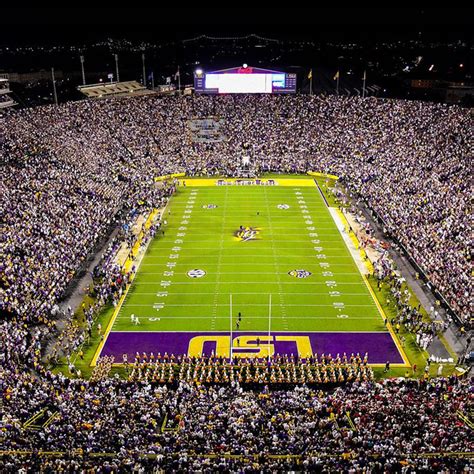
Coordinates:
column 248, row 270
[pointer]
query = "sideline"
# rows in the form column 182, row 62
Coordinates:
column 128, row 264
column 352, row 235
column 349, row 239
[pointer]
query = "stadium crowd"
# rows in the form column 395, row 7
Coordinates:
column 69, row 171
column 72, row 173
column 381, row 426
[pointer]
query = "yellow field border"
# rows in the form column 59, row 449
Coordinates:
column 355, row 241
column 202, row 182
column 323, row 175
column 169, row 176
column 128, row 264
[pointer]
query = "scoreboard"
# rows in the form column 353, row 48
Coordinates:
column 244, row 80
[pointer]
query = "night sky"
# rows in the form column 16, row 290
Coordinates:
column 39, row 25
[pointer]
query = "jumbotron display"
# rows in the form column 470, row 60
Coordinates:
column 244, row 80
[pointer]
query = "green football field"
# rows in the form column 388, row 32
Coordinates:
column 271, row 253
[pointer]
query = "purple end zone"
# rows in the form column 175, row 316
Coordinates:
column 379, row 345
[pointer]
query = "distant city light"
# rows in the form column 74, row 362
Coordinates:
column 245, row 65
column 431, row 68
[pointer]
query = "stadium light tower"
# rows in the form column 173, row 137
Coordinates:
column 143, row 64
column 117, row 75
column 82, row 70
column 53, row 79
column 198, row 71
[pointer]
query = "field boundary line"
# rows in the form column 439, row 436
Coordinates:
column 388, row 324
column 311, row 317
column 137, row 305
column 243, row 293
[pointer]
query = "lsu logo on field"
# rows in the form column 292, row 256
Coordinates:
column 209, row 206
column 245, row 234
column 196, row 273
column 299, row 273
column 283, row 206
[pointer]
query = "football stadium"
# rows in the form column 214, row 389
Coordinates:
column 241, row 278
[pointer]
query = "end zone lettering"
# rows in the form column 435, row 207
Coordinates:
column 246, row 182
column 255, row 345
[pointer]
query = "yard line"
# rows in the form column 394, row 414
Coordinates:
column 213, row 234
column 286, row 216
column 248, row 273
column 276, row 240
column 297, row 305
column 214, row 248
column 258, row 254
column 221, row 245
column 342, row 295
column 262, row 318
column 276, row 262
column 210, row 264
column 304, row 224
column 196, row 281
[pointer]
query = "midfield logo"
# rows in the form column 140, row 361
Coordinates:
column 299, row 273
column 209, row 206
column 245, row 234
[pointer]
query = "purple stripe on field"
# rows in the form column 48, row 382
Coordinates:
column 379, row 345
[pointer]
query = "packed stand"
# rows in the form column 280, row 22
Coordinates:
column 69, row 171
column 193, row 426
column 111, row 423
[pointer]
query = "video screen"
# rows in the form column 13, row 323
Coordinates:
column 236, row 83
